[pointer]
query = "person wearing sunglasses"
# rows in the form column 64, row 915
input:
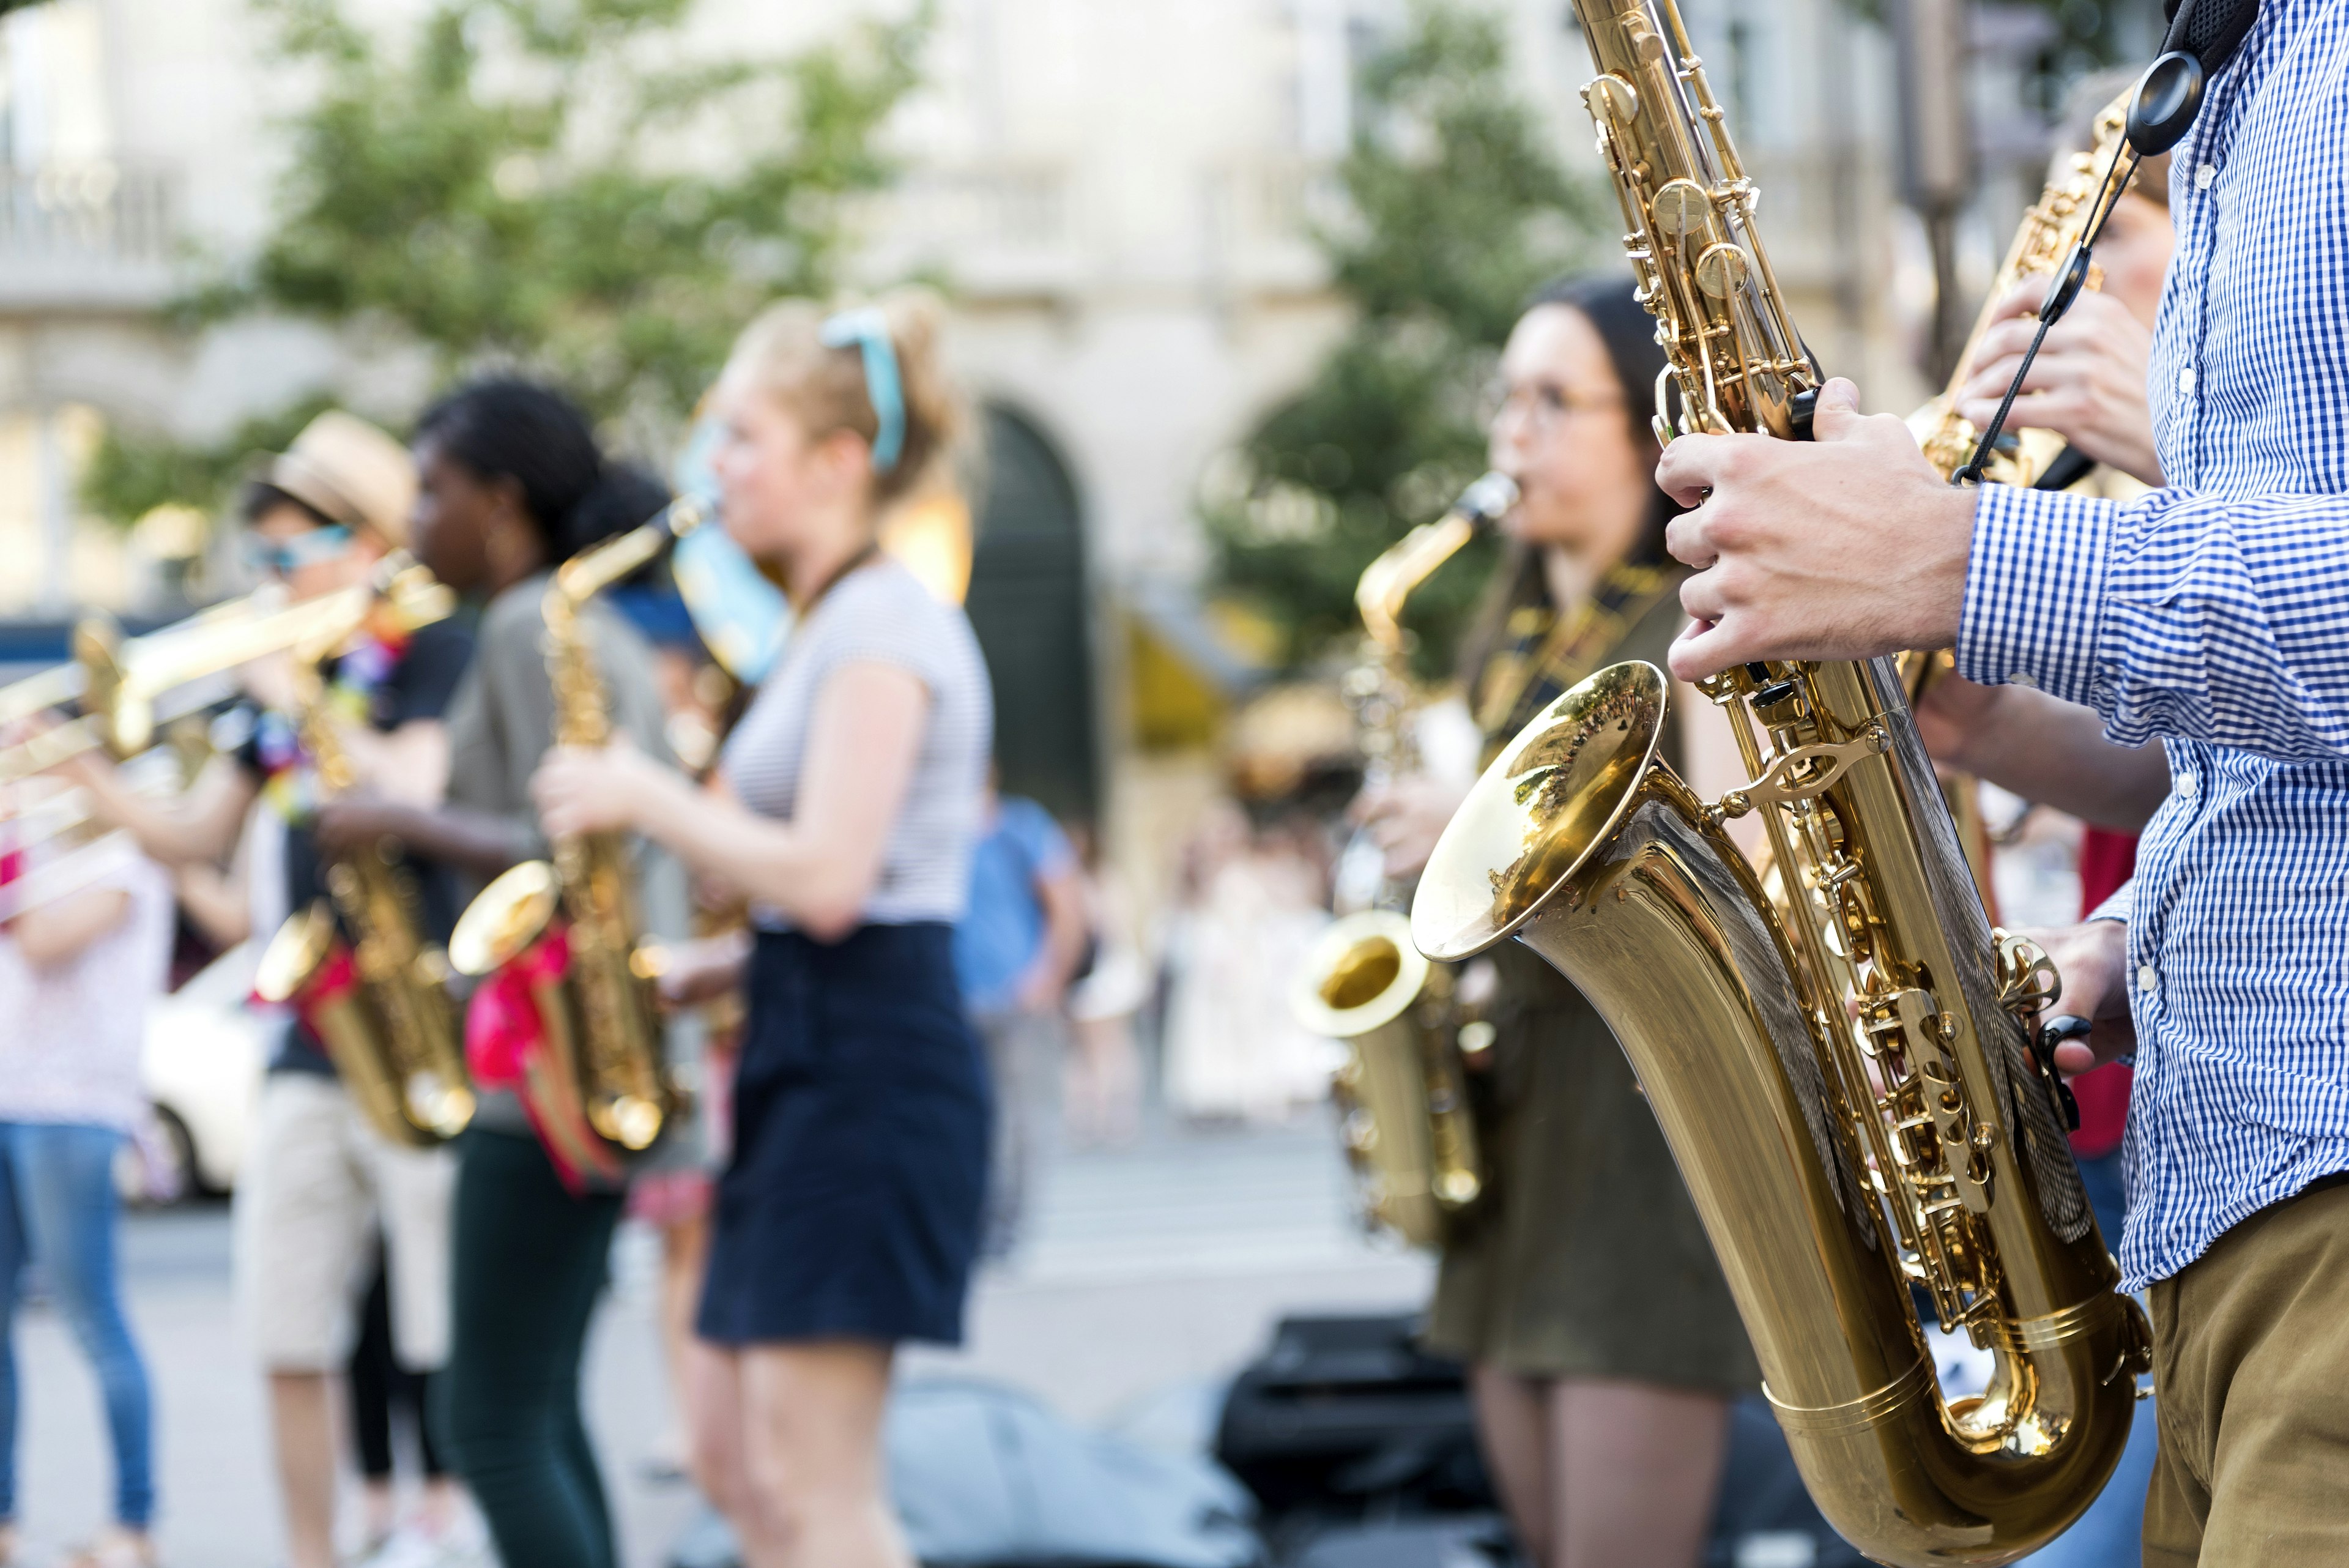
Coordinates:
column 318, row 1183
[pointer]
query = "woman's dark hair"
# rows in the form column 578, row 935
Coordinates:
column 505, row 428
column 1624, row 325
column 1608, row 302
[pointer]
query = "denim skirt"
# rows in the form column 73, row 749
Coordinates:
column 861, row 1120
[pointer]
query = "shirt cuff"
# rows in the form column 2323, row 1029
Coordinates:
column 2035, row 590
column 2117, row 907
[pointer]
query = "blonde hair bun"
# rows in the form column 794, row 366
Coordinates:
column 783, row 353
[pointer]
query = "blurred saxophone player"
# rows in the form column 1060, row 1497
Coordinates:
column 845, row 808
column 511, row 483
column 319, row 1182
column 1604, row 1346
column 2088, row 386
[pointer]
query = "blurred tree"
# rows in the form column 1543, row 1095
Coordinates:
column 1457, row 211
column 133, row 472
column 561, row 185
column 2086, row 36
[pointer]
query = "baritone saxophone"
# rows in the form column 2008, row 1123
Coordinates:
column 600, row 1016
column 1847, row 1076
column 1402, row 1094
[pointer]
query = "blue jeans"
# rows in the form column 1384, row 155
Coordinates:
column 57, row 1205
column 2111, row 1533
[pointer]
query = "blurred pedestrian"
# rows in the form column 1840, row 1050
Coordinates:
column 845, row 808
column 384, row 1396
column 1104, row 1079
column 1258, row 900
column 1016, row 950
column 512, row 484
column 319, row 1181
column 76, row 976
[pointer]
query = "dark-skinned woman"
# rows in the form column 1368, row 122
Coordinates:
column 511, row 483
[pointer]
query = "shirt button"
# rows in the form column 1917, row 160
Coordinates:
column 2023, row 678
column 2146, row 980
column 2186, row 783
column 2205, row 177
column 2185, row 381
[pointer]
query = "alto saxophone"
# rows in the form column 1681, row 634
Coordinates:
column 2046, row 235
column 1401, row 1094
column 600, row 1019
column 380, row 1000
column 1850, row 1085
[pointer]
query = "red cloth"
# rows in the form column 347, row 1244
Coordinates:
column 338, row 976
column 2107, row 860
column 507, row 1047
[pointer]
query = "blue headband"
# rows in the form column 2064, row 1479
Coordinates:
column 868, row 329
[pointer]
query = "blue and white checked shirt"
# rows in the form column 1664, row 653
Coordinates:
column 2214, row 616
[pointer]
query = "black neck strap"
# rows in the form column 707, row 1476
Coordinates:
column 2213, row 31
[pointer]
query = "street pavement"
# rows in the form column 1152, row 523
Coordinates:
column 1144, row 1273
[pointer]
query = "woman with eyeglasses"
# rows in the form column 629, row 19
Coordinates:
column 846, row 809
column 319, row 1183
column 511, row 483
column 1604, row 1348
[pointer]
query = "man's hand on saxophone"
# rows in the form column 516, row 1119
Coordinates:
column 1845, row 546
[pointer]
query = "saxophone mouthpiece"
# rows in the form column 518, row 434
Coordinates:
column 1483, row 503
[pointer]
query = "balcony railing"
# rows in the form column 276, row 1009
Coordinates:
column 87, row 234
column 1003, row 230
column 1263, row 215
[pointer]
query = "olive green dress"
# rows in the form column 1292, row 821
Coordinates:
column 1583, row 1258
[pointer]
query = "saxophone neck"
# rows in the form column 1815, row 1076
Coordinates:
column 600, row 566
column 581, row 708
column 1387, row 584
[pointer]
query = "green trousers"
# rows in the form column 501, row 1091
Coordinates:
column 529, row 1260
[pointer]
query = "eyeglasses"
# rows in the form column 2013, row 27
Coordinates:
column 286, row 557
column 1542, row 405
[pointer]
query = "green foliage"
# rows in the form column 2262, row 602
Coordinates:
column 559, row 185
column 2089, row 36
column 572, row 218
column 132, row 473
column 1458, row 212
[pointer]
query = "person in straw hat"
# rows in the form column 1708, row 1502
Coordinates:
column 318, row 1183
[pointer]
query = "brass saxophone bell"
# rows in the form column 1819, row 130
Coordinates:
column 509, row 914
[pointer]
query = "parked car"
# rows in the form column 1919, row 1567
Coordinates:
column 206, row 1047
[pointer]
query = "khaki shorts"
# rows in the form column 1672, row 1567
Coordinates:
column 314, row 1191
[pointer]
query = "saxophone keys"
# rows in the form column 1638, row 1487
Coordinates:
column 1681, row 208
column 1611, row 99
